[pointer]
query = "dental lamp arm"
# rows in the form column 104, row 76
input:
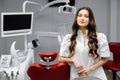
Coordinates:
column 30, row 2
column 54, row 2
column 24, row 10
column 47, row 5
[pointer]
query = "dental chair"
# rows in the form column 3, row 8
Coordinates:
column 58, row 71
column 114, row 65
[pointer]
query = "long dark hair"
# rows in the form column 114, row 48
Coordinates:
column 92, row 36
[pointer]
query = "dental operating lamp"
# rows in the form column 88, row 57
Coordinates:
column 67, row 9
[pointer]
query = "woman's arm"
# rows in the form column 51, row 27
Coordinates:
column 102, row 61
column 86, row 71
column 73, row 61
column 65, row 59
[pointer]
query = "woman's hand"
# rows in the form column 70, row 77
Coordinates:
column 78, row 66
column 85, row 72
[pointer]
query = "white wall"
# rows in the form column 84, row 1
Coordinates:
column 118, row 26
column 2, row 40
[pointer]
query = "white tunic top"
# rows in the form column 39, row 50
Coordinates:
column 81, row 54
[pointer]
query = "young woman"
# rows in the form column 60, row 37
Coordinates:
column 85, row 49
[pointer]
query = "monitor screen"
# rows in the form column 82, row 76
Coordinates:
column 16, row 23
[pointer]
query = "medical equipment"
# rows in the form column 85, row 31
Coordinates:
column 62, row 9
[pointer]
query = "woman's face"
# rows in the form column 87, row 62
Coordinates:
column 83, row 18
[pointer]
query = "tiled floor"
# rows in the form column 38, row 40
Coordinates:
column 109, row 75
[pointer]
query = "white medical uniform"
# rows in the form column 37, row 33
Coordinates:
column 81, row 54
